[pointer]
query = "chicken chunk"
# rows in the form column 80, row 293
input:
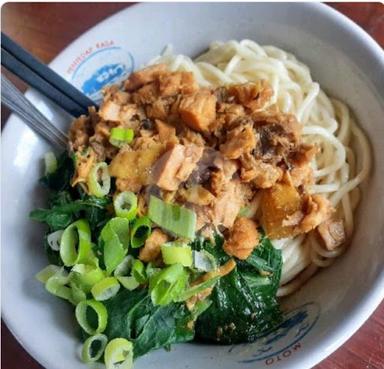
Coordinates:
column 332, row 233
column 220, row 178
column 278, row 134
column 243, row 238
column 151, row 250
column 83, row 165
column 253, row 96
column 198, row 111
column 299, row 160
column 167, row 133
column 79, row 133
column 144, row 76
column 173, row 83
column 189, row 136
column 148, row 94
column 317, row 209
column 263, row 175
column 239, row 140
column 197, row 195
column 110, row 111
column 228, row 204
column 175, row 166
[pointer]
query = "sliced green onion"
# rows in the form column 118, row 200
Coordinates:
column 82, row 316
column 93, row 348
column 47, row 273
column 119, row 354
column 141, row 229
column 168, row 284
column 204, row 261
column 50, row 162
column 124, row 267
column 173, row 218
column 77, row 294
column 130, row 283
column 150, row 270
column 120, row 136
column 56, row 285
column 115, row 236
column 176, row 252
column 86, row 276
column 125, row 204
column 138, row 271
column 99, row 180
column 105, row 289
column 75, row 244
column 197, row 289
column 53, row 240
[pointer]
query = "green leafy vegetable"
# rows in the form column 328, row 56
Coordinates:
column 132, row 315
column 60, row 179
column 63, row 211
column 243, row 305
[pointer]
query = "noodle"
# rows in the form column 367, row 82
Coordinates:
column 326, row 123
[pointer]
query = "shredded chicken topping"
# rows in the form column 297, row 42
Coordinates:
column 212, row 150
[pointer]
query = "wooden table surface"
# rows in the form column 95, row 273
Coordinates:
column 46, row 28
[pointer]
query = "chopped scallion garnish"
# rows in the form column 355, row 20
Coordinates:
column 173, row 218
column 99, row 180
column 75, row 244
column 176, row 252
column 167, row 285
column 120, row 136
column 138, row 271
column 93, row 348
column 119, row 354
column 105, row 289
column 86, row 276
column 82, row 317
column 130, row 283
column 50, row 163
column 141, row 229
column 125, row 204
column 115, row 239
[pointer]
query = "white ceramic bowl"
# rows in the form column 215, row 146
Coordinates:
column 333, row 305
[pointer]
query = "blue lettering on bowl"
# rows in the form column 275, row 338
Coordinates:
column 296, row 324
column 105, row 75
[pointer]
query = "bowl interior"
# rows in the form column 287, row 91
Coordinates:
column 323, row 314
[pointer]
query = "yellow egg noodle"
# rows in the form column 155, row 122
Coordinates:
column 344, row 158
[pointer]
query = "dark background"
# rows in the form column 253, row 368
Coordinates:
column 45, row 29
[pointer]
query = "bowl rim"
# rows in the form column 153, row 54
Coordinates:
column 364, row 308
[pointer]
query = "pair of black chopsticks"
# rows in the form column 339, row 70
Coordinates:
column 36, row 74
